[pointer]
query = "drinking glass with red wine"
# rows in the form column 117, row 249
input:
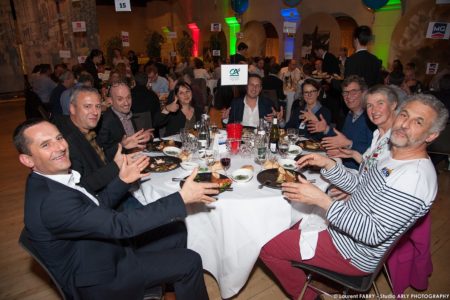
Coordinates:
column 225, row 161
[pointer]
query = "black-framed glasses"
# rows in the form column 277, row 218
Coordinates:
column 309, row 93
column 351, row 93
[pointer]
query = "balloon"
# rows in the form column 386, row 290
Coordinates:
column 375, row 4
column 239, row 6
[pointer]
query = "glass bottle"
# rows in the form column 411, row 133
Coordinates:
column 274, row 136
column 203, row 134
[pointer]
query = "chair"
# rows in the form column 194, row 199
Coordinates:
column 152, row 293
column 441, row 144
column 272, row 95
column 355, row 283
column 26, row 244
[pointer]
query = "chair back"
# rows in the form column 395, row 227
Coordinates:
column 272, row 95
column 441, row 144
column 27, row 245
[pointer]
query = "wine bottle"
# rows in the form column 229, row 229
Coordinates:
column 274, row 136
column 203, row 135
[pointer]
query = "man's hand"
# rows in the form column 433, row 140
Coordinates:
column 338, row 141
column 226, row 113
column 137, row 140
column 318, row 125
column 130, row 172
column 277, row 114
column 338, row 194
column 317, row 160
column 345, row 153
column 192, row 191
column 118, row 157
column 305, row 192
column 173, row 107
column 308, row 116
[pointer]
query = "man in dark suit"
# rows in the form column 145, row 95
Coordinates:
column 83, row 241
column 239, row 57
column 330, row 63
column 362, row 62
column 273, row 82
column 117, row 125
column 79, row 131
column 252, row 107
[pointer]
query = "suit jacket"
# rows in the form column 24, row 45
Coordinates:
column 95, row 174
column 272, row 82
column 110, row 133
column 364, row 64
column 331, row 64
column 237, row 109
column 79, row 241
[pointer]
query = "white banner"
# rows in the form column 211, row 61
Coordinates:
column 432, row 68
column 234, row 74
column 216, row 27
column 79, row 26
column 122, row 5
column 289, row 27
column 438, row 30
column 125, row 39
column 64, row 53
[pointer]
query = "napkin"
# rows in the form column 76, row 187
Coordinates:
column 310, row 226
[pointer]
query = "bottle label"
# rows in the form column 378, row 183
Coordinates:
column 273, row 147
column 202, row 143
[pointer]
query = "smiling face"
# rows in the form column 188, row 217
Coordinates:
column 48, row 150
column 121, row 98
column 85, row 112
column 352, row 94
column 254, row 87
column 412, row 126
column 184, row 95
column 310, row 94
column 380, row 111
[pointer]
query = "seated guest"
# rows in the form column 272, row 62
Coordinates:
column 291, row 73
column 357, row 131
column 272, row 82
column 83, row 241
column 180, row 113
column 311, row 110
column 84, row 79
column 249, row 109
column 384, row 202
column 145, row 104
column 66, row 81
column 199, row 69
column 78, row 129
column 43, row 85
column 91, row 63
column 58, row 70
column 117, row 125
column 330, row 63
column 155, row 82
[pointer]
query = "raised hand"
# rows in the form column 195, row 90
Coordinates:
column 338, row 141
column 318, row 125
column 305, row 192
column 192, row 191
column 308, row 116
column 174, row 106
column 137, row 140
column 317, row 160
column 118, row 157
column 131, row 171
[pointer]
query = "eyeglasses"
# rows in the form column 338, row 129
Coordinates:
column 309, row 93
column 351, row 93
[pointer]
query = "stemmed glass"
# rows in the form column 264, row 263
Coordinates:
column 292, row 134
column 225, row 161
column 210, row 157
column 283, row 148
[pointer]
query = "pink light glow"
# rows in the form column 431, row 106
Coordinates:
column 195, row 36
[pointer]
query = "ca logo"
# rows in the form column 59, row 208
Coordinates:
column 234, row 72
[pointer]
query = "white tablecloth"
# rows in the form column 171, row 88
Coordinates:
column 230, row 233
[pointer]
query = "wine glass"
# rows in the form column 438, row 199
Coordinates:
column 283, row 148
column 225, row 161
column 261, row 155
column 292, row 134
column 210, row 157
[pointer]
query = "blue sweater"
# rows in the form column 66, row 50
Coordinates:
column 360, row 133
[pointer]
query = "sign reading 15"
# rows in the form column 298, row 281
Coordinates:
column 234, row 72
column 122, row 5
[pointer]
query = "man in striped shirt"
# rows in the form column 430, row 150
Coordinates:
column 394, row 193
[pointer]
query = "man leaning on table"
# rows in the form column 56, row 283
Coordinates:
column 384, row 201
column 84, row 242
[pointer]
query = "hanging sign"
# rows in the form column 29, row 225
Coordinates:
column 122, row 5
column 234, row 74
column 216, row 27
column 438, row 30
column 81, row 59
column 173, row 53
column 172, row 35
column 64, row 53
column 432, row 68
column 289, row 27
column 79, row 26
column 125, row 39
column 216, row 53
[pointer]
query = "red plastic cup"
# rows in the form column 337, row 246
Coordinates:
column 234, row 134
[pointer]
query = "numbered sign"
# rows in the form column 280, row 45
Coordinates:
column 79, row 26
column 125, row 39
column 122, row 5
column 216, row 53
column 64, row 53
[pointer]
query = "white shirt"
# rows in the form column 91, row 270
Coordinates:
column 201, row 73
column 250, row 116
column 71, row 180
column 295, row 75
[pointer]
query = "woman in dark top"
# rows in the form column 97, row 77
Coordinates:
column 308, row 110
column 178, row 113
column 90, row 64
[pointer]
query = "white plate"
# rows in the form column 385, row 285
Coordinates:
column 242, row 175
column 287, row 163
column 172, row 151
column 189, row 165
column 293, row 151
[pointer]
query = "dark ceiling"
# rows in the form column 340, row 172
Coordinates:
column 132, row 2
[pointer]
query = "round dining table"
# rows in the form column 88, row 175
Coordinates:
column 230, row 232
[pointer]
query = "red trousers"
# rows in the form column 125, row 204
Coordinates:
column 278, row 253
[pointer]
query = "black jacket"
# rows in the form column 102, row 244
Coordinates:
column 364, row 64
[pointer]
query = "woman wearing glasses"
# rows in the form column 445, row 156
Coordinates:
column 309, row 110
column 179, row 113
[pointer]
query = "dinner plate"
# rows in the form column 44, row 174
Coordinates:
column 161, row 164
column 158, row 146
column 206, row 177
column 311, row 146
column 269, row 178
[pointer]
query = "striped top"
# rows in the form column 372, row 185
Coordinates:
column 384, row 202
